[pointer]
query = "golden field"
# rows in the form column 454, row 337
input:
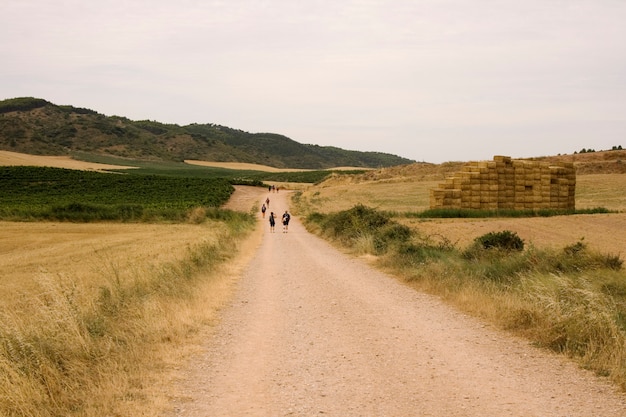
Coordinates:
column 15, row 159
column 99, row 315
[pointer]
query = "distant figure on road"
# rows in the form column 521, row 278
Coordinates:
column 263, row 209
column 267, row 202
column 286, row 218
column 272, row 222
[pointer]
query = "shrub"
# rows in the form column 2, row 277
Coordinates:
column 350, row 224
column 505, row 240
column 362, row 227
column 418, row 253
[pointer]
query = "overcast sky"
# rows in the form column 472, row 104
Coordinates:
column 429, row 80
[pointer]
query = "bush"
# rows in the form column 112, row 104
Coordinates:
column 577, row 257
column 505, row 240
column 352, row 223
column 362, row 227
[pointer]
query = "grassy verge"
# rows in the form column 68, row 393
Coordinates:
column 570, row 300
column 468, row 214
column 71, row 348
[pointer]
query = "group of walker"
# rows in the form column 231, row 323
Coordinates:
column 285, row 219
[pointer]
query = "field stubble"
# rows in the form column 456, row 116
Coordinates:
column 63, row 284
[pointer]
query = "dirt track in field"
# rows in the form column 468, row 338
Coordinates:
column 313, row 332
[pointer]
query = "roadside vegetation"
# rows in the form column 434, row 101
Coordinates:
column 75, row 345
column 446, row 213
column 571, row 300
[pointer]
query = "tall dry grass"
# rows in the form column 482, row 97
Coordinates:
column 69, row 347
column 577, row 308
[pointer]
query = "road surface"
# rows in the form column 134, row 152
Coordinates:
column 314, row 332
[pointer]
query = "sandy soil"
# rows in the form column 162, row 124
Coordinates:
column 311, row 331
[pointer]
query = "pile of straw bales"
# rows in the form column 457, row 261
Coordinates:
column 508, row 184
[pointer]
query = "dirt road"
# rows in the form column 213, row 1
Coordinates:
column 313, row 332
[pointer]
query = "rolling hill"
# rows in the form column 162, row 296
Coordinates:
column 36, row 126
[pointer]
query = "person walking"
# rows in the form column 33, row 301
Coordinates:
column 263, row 209
column 286, row 218
column 272, row 222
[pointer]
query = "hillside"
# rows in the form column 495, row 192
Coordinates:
column 600, row 162
column 36, row 126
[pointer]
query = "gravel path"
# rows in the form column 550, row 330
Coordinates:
column 313, row 332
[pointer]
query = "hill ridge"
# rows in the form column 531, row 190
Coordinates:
column 36, row 126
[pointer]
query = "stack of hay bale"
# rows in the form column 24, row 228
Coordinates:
column 508, row 184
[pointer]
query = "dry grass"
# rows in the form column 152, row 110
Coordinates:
column 94, row 316
column 17, row 159
column 392, row 195
column 601, row 190
column 255, row 167
column 87, row 250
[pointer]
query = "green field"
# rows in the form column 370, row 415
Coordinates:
column 235, row 176
column 62, row 194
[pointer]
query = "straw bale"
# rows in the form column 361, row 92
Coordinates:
column 502, row 158
column 508, row 183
